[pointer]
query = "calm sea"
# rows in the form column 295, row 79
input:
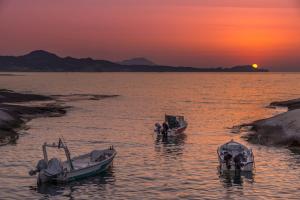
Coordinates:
column 183, row 167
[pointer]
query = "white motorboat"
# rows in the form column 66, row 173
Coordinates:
column 175, row 123
column 79, row 167
column 235, row 156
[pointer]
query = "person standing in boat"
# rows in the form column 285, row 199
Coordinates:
column 165, row 129
column 177, row 123
column 227, row 159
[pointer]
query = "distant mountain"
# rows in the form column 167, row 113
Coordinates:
column 137, row 61
column 43, row 61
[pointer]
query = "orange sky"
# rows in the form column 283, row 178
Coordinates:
column 172, row 32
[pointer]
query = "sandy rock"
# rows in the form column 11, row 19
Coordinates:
column 282, row 129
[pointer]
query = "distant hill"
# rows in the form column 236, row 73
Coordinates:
column 137, row 61
column 43, row 61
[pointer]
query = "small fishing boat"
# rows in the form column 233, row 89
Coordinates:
column 175, row 125
column 235, row 156
column 79, row 167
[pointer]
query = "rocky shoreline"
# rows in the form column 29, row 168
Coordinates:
column 18, row 108
column 282, row 129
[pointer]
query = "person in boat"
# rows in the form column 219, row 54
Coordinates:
column 165, row 129
column 158, row 128
column 177, row 124
column 238, row 161
column 227, row 159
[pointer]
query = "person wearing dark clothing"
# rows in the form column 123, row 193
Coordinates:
column 238, row 161
column 177, row 124
column 165, row 129
column 227, row 158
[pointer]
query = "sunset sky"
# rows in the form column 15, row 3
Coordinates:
column 203, row 33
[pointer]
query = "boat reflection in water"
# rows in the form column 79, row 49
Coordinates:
column 235, row 178
column 170, row 144
column 176, row 140
column 98, row 183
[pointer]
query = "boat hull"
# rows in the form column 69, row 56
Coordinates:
column 86, row 172
column 78, row 173
column 180, row 130
column 176, row 131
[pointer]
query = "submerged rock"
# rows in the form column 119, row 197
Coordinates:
column 9, row 96
column 9, row 122
column 80, row 97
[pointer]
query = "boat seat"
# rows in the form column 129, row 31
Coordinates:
column 97, row 156
column 79, row 165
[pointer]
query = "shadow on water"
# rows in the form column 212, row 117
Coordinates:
column 68, row 189
column 295, row 150
column 170, row 144
column 173, row 140
column 235, row 178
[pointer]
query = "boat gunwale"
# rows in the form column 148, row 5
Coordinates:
column 64, row 176
column 96, row 163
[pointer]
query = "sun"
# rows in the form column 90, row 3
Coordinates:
column 255, row 66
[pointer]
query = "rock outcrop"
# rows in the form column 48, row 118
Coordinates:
column 282, row 129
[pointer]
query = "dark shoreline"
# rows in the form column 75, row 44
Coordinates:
column 13, row 117
column 14, row 113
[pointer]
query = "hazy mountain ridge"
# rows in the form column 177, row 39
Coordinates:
column 43, row 61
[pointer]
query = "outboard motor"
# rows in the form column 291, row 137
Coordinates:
column 47, row 171
column 39, row 167
column 53, row 169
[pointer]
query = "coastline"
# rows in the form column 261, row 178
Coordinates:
column 14, row 113
column 16, row 109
